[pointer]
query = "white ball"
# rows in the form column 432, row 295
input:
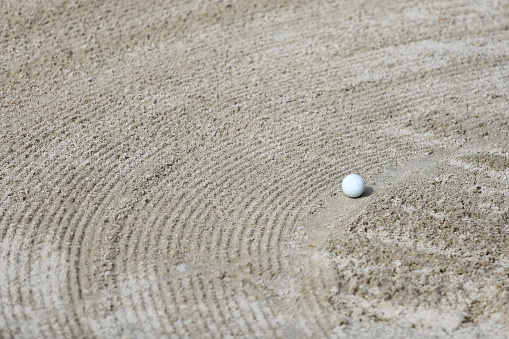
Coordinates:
column 353, row 185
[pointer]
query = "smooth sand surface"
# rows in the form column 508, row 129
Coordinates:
column 173, row 169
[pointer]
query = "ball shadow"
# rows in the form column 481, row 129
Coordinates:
column 367, row 192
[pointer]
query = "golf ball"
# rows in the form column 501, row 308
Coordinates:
column 353, row 185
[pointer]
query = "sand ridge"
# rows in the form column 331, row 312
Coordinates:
column 173, row 169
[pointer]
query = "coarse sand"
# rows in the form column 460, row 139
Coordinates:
column 173, row 169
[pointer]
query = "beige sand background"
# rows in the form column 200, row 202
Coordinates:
column 173, row 169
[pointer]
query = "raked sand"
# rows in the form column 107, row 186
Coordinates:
column 173, row 169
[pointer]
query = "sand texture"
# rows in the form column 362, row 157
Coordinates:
column 172, row 169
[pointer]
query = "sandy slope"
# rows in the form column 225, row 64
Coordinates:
column 173, row 169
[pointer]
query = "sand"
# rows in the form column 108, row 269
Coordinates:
column 173, row 169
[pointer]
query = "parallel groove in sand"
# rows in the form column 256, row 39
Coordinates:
column 270, row 202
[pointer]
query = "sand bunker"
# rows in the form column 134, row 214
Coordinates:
column 173, row 169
